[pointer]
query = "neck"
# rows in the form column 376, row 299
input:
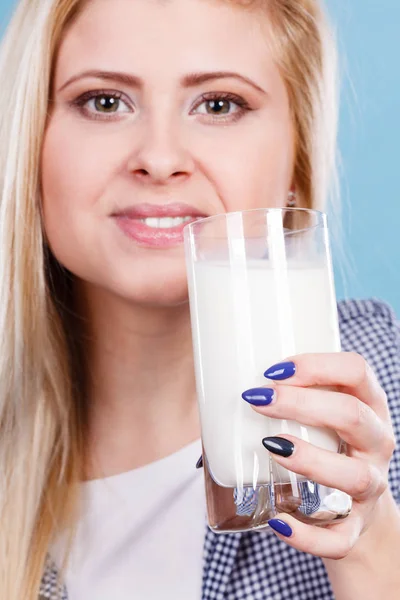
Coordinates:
column 141, row 388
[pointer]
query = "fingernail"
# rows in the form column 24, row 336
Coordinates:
column 199, row 463
column 278, row 445
column 281, row 371
column 259, row 396
column 281, row 527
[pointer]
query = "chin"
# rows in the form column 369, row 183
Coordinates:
column 144, row 278
column 166, row 286
column 157, row 298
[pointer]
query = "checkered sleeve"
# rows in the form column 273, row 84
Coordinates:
column 370, row 328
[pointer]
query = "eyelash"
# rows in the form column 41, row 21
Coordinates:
column 242, row 104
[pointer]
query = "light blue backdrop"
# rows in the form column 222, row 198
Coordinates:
column 369, row 144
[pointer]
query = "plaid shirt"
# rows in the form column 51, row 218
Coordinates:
column 257, row 566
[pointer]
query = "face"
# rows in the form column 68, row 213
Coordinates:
column 160, row 110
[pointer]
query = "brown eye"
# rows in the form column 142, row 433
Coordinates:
column 107, row 104
column 98, row 104
column 223, row 107
column 218, row 107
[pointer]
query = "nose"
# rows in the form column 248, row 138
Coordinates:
column 161, row 156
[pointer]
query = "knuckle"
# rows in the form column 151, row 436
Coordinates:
column 389, row 444
column 366, row 480
column 356, row 413
column 382, row 395
column 382, row 486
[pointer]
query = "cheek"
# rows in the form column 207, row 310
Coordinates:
column 74, row 174
column 256, row 169
column 73, row 170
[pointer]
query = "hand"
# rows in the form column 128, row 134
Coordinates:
column 359, row 413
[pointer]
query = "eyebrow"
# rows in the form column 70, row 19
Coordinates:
column 188, row 81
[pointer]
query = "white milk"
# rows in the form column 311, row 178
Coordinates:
column 243, row 327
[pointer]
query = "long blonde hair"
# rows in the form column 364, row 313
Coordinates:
column 42, row 420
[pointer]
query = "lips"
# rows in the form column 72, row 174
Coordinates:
column 143, row 211
column 130, row 221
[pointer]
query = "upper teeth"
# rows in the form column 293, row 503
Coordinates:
column 165, row 222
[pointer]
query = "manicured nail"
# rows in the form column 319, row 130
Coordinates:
column 280, row 527
column 199, row 463
column 259, row 396
column 281, row 371
column 278, row 445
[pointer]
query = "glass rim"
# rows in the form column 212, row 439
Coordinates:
column 322, row 216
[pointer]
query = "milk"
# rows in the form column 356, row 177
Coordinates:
column 245, row 319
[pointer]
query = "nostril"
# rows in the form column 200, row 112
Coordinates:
column 142, row 172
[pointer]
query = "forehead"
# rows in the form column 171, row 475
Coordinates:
column 164, row 38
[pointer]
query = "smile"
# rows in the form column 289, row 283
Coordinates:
column 166, row 222
column 154, row 232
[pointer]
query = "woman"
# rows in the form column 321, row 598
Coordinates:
column 117, row 117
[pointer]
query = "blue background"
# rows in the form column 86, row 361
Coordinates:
column 368, row 33
column 367, row 263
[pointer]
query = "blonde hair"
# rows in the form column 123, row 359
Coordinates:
column 42, row 418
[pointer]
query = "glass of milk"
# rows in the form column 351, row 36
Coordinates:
column 261, row 290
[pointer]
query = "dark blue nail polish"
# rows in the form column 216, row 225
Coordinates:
column 278, row 445
column 199, row 463
column 259, row 396
column 280, row 527
column 281, row 371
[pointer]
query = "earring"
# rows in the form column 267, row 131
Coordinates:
column 291, row 200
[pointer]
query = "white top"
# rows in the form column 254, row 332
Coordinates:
column 141, row 533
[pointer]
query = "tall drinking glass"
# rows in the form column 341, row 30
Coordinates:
column 261, row 289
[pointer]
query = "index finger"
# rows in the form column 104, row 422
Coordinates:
column 347, row 372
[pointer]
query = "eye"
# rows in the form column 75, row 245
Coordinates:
column 216, row 107
column 222, row 105
column 107, row 104
column 98, row 103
